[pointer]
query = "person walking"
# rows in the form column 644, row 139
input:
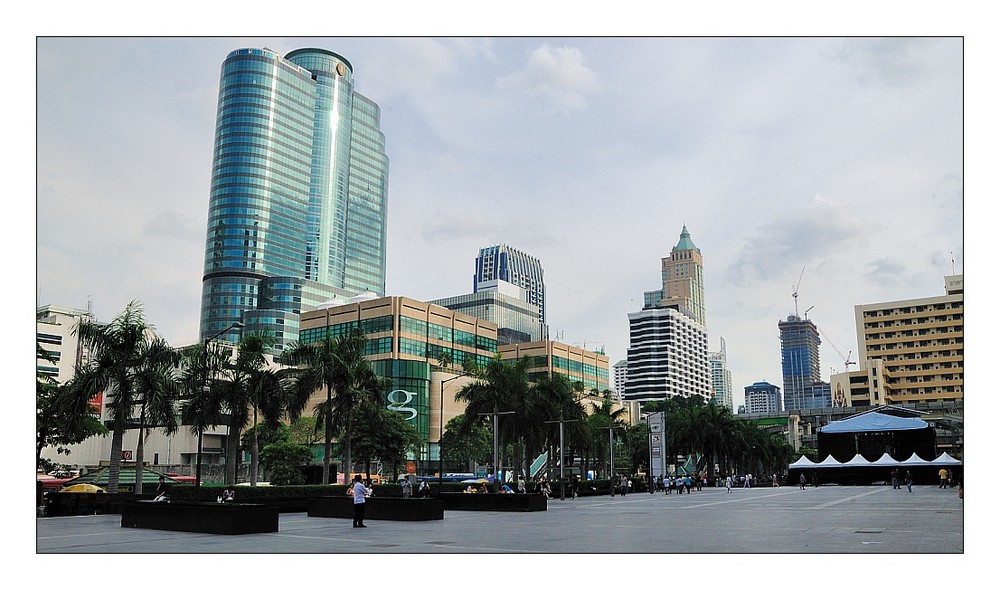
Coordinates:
column 360, row 492
column 729, row 484
column 746, row 482
column 407, row 487
column 802, row 481
column 909, row 481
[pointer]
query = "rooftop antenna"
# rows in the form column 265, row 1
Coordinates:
column 795, row 291
column 952, row 263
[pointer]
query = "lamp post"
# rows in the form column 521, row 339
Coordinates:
column 562, row 456
column 441, row 435
column 611, row 453
column 205, row 389
column 496, row 460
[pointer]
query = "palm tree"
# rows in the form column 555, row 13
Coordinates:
column 236, row 391
column 202, row 408
column 338, row 366
column 121, row 352
column 160, row 387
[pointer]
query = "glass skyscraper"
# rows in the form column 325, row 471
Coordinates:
column 503, row 263
column 800, row 364
column 297, row 208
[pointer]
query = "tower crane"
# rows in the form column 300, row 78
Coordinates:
column 847, row 359
column 795, row 291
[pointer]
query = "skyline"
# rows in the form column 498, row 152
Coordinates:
column 839, row 160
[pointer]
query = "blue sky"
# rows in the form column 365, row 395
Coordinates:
column 839, row 160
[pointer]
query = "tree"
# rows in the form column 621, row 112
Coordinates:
column 62, row 418
column 121, row 352
column 385, row 436
column 474, row 446
column 337, row 366
column 283, row 462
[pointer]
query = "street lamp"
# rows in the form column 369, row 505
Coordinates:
column 207, row 387
column 441, row 434
column 496, row 447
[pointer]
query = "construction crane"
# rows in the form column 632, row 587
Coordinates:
column 847, row 359
column 795, row 291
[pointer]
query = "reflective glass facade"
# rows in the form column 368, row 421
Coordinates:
column 297, row 205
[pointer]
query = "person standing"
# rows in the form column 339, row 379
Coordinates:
column 895, row 478
column 909, row 482
column 943, row 476
column 729, row 484
column 360, row 493
column 802, row 481
column 407, row 487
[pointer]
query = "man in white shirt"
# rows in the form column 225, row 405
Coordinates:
column 360, row 493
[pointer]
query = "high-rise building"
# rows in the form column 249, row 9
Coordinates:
column 504, row 304
column 56, row 335
column 762, row 398
column 504, row 263
column 668, row 340
column 297, row 207
column 722, row 377
column 920, row 343
column 800, row 368
column 620, row 374
column 683, row 282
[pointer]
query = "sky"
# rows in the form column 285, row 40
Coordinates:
column 825, row 141
column 830, row 167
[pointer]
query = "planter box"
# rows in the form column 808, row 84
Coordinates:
column 377, row 508
column 201, row 517
column 495, row 502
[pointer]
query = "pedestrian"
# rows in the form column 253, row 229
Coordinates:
column 746, row 482
column 624, row 484
column 670, row 485
column 360, row 492
column 687, row 483
column 229, row 494
column 161, row 487
column 407, row 487
column 774, row 480
column 895, row 478
column 951, row 480
column 943, row 476
column 909, row 482
column 729, row 484
column 802, row 481
column 961, row 489
column 424, row 490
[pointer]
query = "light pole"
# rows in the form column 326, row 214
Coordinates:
column 562, row 456
column 496, row 465
column 205, row 389
column 611, row 453
column 441, row 435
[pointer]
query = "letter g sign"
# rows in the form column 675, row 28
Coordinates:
column 398, row 400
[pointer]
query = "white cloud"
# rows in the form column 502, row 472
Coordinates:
column 556, row 74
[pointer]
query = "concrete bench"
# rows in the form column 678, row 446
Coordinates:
column 201, row 517
column 378, row 508
column 494, row 502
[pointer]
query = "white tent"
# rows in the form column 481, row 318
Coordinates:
column 802, row 462
column 857, row 460
column 885, row 459
column 914, row 460
column 946, row 459
column 829, row 462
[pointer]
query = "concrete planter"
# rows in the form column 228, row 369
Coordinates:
column 377, row 508
column 201, row 517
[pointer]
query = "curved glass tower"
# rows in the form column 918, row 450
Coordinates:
column 297, row 208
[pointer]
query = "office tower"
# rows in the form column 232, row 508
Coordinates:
column 683, row 282
column 920, row 343
column 620, row 374
column 56, row 333
column 506, row 306
column 550, row 358
column 722, row 378
column 800, row 363
column 406, row 340
column 502, row 263
column 668, row 340
column 297, row 207
column 762, row 398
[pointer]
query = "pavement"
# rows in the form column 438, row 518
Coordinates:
column 762, row 520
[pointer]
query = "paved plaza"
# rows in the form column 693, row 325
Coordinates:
column 763, row 520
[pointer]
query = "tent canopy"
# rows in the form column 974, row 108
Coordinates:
column 873, row 422
column 945, row 459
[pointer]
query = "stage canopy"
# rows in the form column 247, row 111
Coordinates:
column 873, row 422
